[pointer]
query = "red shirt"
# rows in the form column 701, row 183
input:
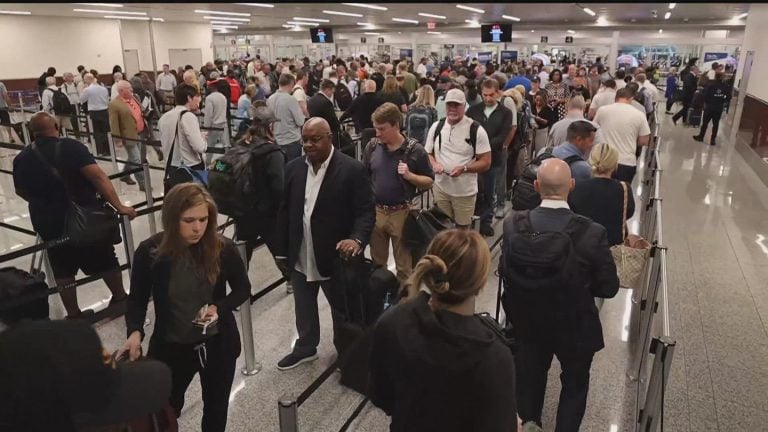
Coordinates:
column 234, row 90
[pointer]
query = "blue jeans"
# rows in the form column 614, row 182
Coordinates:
column 292, row 150
column 134, row 156
column 489, row 194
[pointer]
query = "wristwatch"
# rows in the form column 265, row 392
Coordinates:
column 466, row 168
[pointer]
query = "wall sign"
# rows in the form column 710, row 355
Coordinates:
column 544, row 39
column 362, row 40
column 381, row 40
column 247, row 41
column 569, row 39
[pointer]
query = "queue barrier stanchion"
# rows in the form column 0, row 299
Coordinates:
column 24, row 129
column 651, row 416
column 287, row 411
column 252, row 367
column 150, row 198
column 112, row 155
column 128, row 240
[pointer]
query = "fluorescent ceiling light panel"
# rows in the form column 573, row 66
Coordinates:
column 363, row 5
column 510, row 17
column 372, row 33
column 115, row 5
column 434, row 32
column 126, row 17
column 301, row 23
column 431, row 15
column 223, row 22
column 403, row 20
column 589, row 11
column 5, row 12
column 108, row 12
column 202, row 11
column 264, row 5
column 571, row 32
column 470, row 8
column 158, row 19
column 225, row 27
column 667, row 15
column 310, row 19
column 227, row 18
column 365, row 24
column 672, row 5
column 661, row 30
column 742, row 16
column 330, row 12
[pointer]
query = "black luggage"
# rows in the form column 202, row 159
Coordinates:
column 421, row 226
column 23, row 296
column 693, row 117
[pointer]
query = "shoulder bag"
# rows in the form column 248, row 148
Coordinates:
column 631, row 255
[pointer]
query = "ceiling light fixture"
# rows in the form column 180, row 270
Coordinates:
column 431, row 15
column 533, row 31
column 667, row 15
column 571, row 32
column 288, row 26
column 114, row 5
column 742, row 16
column 202, row 11
column 227, row 18
column 330, row 12
column 470, row 8
column 672, row 5
column 5, row 12
column 264, row 5
column 434, row 32
column 108, row 12
column 126, row 17
column 510, row 17
column 589, row 11
column 225, row 27
column 403, row 20
column 158, row 19
column 372, row 33
column 302, row 23
column 365, row 24
column 473, row 23
column 311, row 19
column 224, row 22
column 661, row 30
column 363, row 5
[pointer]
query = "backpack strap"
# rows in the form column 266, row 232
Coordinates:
column 577, row 227
column 368, row 151
column 473, row 136
column 573, row 159
column 437, row 137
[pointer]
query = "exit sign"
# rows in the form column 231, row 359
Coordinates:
column 430, row 26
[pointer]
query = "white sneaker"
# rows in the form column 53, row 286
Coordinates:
column 288, row 287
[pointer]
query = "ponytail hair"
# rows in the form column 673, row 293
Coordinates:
column 604, row 159
column 454, row 269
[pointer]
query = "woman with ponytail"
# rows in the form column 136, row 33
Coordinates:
column 435, row 366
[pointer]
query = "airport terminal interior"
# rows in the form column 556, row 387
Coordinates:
column 685, row 347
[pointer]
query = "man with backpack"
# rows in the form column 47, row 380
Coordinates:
column 287, row 110
column 575, row 151
column 459, row 150
column 496, row 119
column 399, row 167
column 553, row 264
column 56, row 103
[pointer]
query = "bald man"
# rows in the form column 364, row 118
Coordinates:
column 327, row 211
column 37, row 183
column 363, row 107
column 550, row 302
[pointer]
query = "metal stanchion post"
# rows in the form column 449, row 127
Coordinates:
column 128, row 240
column 112, row 154
column 252, row 367
column 288, row 414
column 24, row 129
column 48, row 269
column 91, row 133
column 150, row 199
column 649, row 417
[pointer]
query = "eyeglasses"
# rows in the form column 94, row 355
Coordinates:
column 316, row 138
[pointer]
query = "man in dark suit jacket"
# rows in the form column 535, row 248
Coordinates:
column 321, row 105
column 327, row 211
column 556, row 313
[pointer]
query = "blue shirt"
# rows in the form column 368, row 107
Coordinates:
column 519, row 80
column 580, row 170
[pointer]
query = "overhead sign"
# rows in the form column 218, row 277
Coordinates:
column 544, row 39
column 508, row 56
column 234, row 42
column 247, row 41
column 406, row 54
column 430, row 26
column 484, row 56
column 381, row 40
column 362, row 40
column 448, row 46
column 569, row 39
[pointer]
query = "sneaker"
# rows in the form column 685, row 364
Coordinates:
column 712, row 143
column 499, row 212
column 292, row 360
column 86, row 314
column 288, row 287
column 674, row 121
column 487, row 230
column 698, row 138
column 128, row 180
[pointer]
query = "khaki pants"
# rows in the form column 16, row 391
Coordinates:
column 389, row 225
column 460, row 209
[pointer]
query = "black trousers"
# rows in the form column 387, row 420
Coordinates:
column 100, row 120
column 625, row 173
column 714, row 116
column 670, row 102
column 683, row 112
column 307, row 314
column 215, row 378
column 532, row 363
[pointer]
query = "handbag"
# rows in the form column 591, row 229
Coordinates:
column 182, row 173
column 630, row 257
column 421, row 226
column 85, row 225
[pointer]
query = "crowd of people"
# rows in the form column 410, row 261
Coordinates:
column 463, row 130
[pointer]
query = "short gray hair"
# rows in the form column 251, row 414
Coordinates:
column 214, row 75
column 577, row 102
column 49, row 81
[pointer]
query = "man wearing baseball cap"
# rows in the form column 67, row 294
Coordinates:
column 458, row 149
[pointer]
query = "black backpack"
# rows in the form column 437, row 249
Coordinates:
column 418, row 120
column 236, row 181
column 524, row 195
column 342, row 96
column 472, row 140
column 23, row 295
column 61, row 104
column 539, row 270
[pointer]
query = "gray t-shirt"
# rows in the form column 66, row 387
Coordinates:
column 3, row 95
column 286, row 109
column 187, row 293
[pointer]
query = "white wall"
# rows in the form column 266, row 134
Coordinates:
column 136, row 36
column 755, row 36
column 32, row 44
column 178, row 36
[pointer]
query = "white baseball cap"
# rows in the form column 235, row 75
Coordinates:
column 455, row 95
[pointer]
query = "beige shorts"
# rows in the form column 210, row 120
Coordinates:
column 460, row 209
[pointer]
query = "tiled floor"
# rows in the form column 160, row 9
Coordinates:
column 715, row 230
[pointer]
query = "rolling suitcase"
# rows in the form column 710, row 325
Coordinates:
column 693, row 118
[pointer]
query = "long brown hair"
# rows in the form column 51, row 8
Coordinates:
column 454, row 269
column 207, row 252
column 390, row 85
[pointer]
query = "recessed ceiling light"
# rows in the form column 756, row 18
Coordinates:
column 510, row 17
column 661, row 30
column 470, row 8
column 108, row 12
column 363, row 5
column 589, row 11
column 114, row 5
column 227, row 18
column 201, row 11
column 571, row 32
column 302, row 23
column 372, row 33
column 403, row 20
column 5, row 12
column 126, row 17
column 311, row 19
column 742, row 16
column 672, row 5
column 264, row 5
column 633, row 20
column 330, row 12
column 667, row 15
column 431, row 15
column 533, row 31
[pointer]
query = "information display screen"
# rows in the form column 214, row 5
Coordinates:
column 496, row 33
column 321, row 35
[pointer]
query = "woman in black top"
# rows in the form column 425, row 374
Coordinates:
column 544, row 116
column 186, row 269
column 601, row 198
column 391, row 93
column 434, row 365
